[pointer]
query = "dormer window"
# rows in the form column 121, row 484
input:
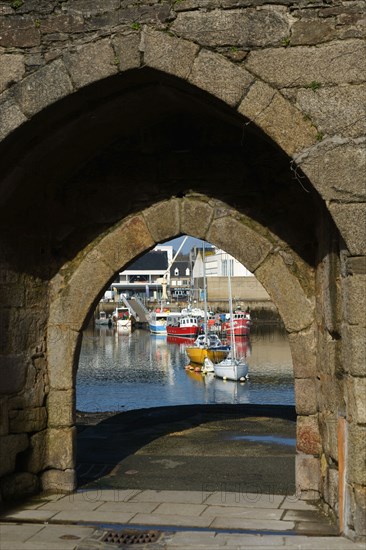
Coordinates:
column 176, row 272
column 187, row 272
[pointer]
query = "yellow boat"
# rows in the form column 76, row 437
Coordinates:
column 207, row 346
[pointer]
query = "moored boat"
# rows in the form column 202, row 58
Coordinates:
column 186, row 326
column 240, row 325
column 157, row 320
column 209, row 346
column 122, row 319
column 103, row 319
column 232, row 368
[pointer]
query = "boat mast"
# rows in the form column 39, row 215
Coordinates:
column 170, row 265
column 233, row 347
column 204, row 292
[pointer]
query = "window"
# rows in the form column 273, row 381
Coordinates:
column 176, row 272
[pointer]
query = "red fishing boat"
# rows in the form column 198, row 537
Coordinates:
column 178, row 324
column 241, row 324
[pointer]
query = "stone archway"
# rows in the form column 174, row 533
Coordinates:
column 50, row 112
column 76, row 290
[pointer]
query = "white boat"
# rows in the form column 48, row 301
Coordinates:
column 232, row 368
column 122, row 319
column 157, row 321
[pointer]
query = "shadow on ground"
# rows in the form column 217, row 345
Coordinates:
column 246, row 448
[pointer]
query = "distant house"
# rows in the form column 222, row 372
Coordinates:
column 180, row 279
column 145, row 276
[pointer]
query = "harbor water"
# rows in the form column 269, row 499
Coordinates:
column 120, row 372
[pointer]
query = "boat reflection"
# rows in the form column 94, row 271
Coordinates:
column 218, row 390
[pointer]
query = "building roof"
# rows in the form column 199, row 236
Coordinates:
column 155, row 260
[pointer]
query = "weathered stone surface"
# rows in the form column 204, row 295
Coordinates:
column 308, row 438
column 11, row 115
column 312, row 31
column 91, row 8
column 12, row 69
column 125, row 242
column 336, row 111
column 351, row 221
column 356, row 265
column 12, row 373
column 285, row 290
column 10, row 446
column 307, row 475
column 331, row 488
column 328, row 424
column 18, row 32
column 266, row 108
column 196, row 216
column 61, row 448
column 91, row 62
column 356, row 454
column 358, row 509
column 218, row 76
column 232, row 27
column 61, row 408
column 356, row 399
column 305, row 396
column 163, row 220
column 61, row 481
column 335, row 63
column 303, row 351
column 336, row 168
column 4, row 421
column 355, row 300
column 127, row 51
column 28, row 420
column 63, row 345
column 169, row 54
column 354, row 350
column 246, row 245
column 62, row 24
column 19, row 485
column 34, row 460
column 42, row 88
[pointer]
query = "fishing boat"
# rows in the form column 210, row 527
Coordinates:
column 122, row 319
column 240, row 325
column 157, row 320
column 185, row 326
column 232, row 368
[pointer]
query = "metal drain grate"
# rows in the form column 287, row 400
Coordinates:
column 131, row 536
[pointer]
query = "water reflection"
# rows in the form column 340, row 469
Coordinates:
column 129, row 371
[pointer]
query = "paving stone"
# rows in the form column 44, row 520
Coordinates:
column 253, row 513
column 135, row 507
column 93, row 516
column 52, row 533
column 250, row 541
column 253, row 524
column 64, row 504
column 12, row 532
column 245, row 500
column 194, row 497
column 29, row 515
column 173, row 519
column 292, row 503
column 180, row 509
